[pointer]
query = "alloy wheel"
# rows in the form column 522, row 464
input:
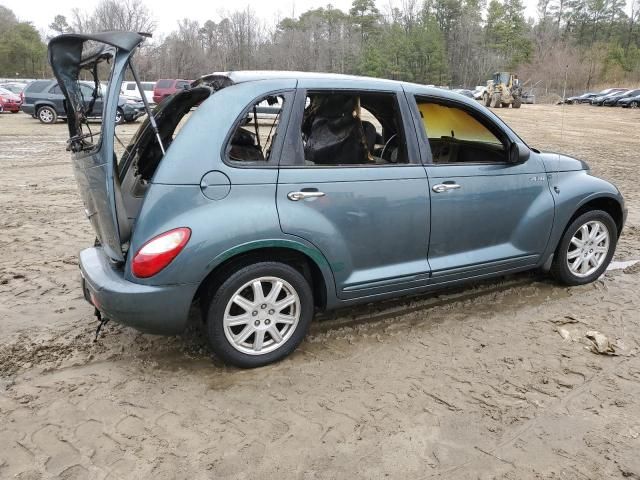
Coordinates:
column 634, row 104
column 588, row 248
column 45, row 115
column 261, row 315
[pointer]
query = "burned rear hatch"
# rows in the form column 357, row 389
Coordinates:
column 74, row 58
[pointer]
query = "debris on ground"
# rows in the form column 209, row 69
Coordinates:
column 600, row 343
column 564, row 333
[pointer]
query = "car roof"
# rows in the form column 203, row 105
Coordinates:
column 242, row 76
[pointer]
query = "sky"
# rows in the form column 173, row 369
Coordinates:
column 168, row 12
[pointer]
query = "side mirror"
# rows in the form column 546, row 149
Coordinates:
column 518, row 153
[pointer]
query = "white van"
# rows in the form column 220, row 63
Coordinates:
column 130, row 89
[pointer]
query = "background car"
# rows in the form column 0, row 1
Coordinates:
column 601, row 97
column 584, row 98
column 9, row 101
column 166, row 86
column 15, row 87
column 630, row 102
column 44, row 100
column 464, row 91
column 130, row 90
column 478, row 92
column 612, row 100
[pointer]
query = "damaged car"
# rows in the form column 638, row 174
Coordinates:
column 286, row 193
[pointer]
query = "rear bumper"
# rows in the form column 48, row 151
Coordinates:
column 28, row 109
column 153, row 309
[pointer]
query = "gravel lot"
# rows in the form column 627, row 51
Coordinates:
column 491, row 381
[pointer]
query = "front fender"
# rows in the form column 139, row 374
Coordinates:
column 572, row 191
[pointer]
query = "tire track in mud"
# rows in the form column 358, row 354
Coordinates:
column 54, row 347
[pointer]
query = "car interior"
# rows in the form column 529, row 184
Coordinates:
column 253, row 138
column 455, row 136
column 360, row 128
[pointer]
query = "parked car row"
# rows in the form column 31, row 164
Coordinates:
column 44, row 100
column 610, row 97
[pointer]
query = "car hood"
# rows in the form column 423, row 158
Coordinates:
column 556, row 162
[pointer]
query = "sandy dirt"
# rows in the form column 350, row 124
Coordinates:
column 495, row 380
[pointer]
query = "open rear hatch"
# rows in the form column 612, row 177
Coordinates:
column 113, row 189
column 74, row 57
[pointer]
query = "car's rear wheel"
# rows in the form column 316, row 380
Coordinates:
column 259, row 314
column 586, row 248
column 47, row 115
column 119, row 116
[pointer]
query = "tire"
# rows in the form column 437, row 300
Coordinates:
column 239, row 344
column 486, row 99
column 120, row 117
column 561, row 268
column 516, row 103
column 47, row 115
column 495, row 100
column 15, row 111
column 634, row 104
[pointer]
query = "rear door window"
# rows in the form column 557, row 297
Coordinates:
column 352, row 128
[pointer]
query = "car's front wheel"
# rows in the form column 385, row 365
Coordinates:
column 47, row 115
column 634, row 104
column 586, row 248
column 259, row 314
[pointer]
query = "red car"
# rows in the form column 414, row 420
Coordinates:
column 9, row 101
column 168, row 86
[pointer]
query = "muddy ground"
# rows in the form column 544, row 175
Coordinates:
column 470, row 383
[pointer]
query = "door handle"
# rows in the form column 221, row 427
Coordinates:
column 295, row 196
column 445, row 187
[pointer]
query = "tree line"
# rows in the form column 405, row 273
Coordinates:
column 443, row 42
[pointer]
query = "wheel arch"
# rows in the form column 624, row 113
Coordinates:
column 43, row 103
column 605, row 202
column 599, row 201
column 309, row 262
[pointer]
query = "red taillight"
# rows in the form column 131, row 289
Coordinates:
column 158, row 252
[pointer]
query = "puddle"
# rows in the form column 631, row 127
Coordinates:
column 622, row 265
